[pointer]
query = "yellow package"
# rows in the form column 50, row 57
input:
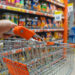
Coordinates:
column 56, row 35
column 39, row 7
column 62, row 1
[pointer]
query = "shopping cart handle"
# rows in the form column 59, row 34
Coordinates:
column 23, row 32
column 50, row 43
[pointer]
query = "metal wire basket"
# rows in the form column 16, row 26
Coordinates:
column 22, row 57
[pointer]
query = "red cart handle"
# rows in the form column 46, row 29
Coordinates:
column 23, row 32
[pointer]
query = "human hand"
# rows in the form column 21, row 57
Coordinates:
column 5, row 26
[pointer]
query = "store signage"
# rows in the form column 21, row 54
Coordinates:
column 58, row 15
column 70, row 7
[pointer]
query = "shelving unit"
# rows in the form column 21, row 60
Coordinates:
column 47, row 30
column 7, row 7
column 63, row 29
column 56, row 3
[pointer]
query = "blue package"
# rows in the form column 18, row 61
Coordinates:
column 34, row 3
column 70, row 39
column 73, row 39
column 49, row 5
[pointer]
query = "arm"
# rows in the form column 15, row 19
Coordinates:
column 5, row 26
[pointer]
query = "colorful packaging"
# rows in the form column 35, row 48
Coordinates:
column 21, row 3
column 28, row 4
column 34, row 22
column 9, row 2
column 16, row 19
column 39, row 7
column 22, row 21
column 17, row 3
column 35, row 4
column 28, row 22
column 44, row 7
column 3, row 1
column 48, row 10
column 49, row 37
column 43, row 22
column 13, row 2
column 54, row 24
column 39, row 24
column 49, row 23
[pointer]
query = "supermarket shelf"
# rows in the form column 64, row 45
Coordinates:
column 61, row 29
column 56, row 3
column 38, row 30
column 47, row 30
column 24, row 10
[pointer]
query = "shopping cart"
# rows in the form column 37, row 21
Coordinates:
column 30, row 57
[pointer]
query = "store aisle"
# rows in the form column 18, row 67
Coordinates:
column 73, row 72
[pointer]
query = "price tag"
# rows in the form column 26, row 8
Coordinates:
column 58, row 15
column 70, row 7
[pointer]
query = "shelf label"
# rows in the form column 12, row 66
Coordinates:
column 70, row 7
column 58, row 15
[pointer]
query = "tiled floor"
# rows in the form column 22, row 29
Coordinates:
column 73, row 72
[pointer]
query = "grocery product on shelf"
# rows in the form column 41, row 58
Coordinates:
column 43, row 7
column 52, row 36
column 12, row 17
column 33, row 22
column 27, row 4
column 36, row 5
column 22, row 21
